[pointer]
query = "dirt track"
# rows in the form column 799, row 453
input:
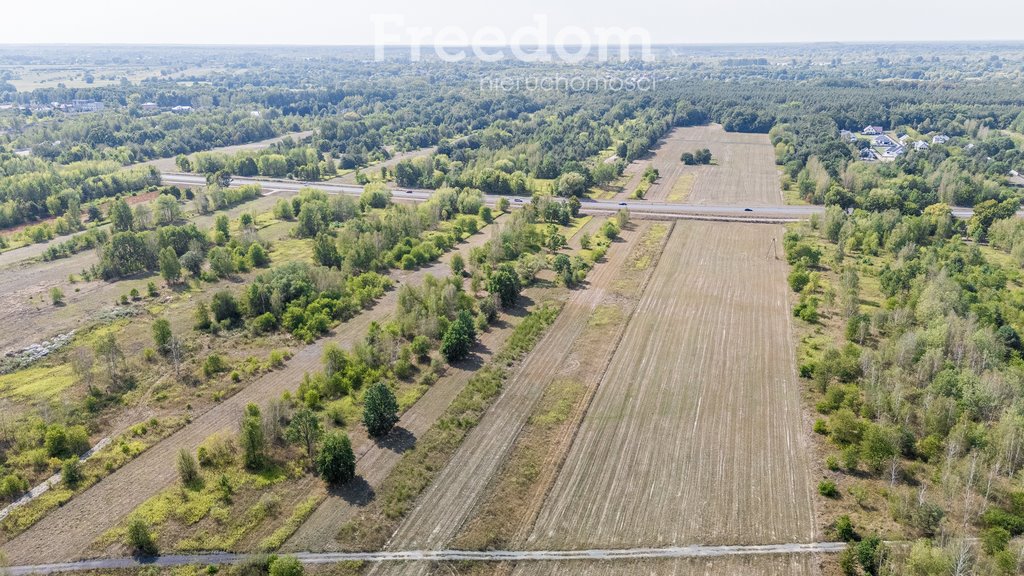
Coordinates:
column 743, row 173
column 67, row 532
column 694, row 435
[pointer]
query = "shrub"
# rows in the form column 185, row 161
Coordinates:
column 214, row 364
column 71, row 472
column 188, row 468
column 12, row 486
column 994, row 540
column 139, row 538
column 843, row 529
column 285, row 566
column 828, row 489
column 56, row 296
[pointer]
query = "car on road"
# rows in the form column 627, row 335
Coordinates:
column 519, row 200
column 748, row 209
column 622, row 203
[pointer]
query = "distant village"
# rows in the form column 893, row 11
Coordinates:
column 881, row 146
column 86, row 106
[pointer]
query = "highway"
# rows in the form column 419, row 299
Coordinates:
column 784, row 213
column 637, row 207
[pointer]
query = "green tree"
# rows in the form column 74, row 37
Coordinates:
column 170, row 267
column 254, row 445
column 121, row 217
column 223, row 226
column 305, row 429
column 503, row 204
column 257, row 256
column 225, row 307
column 458, row 339
column 162, row 335
column 193, row 262
column 336, row 462
column 167, row 210
column 325, row 252
column 571, row 184
column 380, row 409
column 505, row 283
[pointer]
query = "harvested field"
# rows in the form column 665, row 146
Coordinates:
column 449, row 501
column 694, row 436
column 743, row 173
column 67, row 533
column 515, row 495
column 776, row 565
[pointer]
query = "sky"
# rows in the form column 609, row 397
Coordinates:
column 458, row 22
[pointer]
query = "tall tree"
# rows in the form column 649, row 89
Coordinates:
column 336, row 462
column 170, row 266
column 305, row 429
column 380, row 409
column 121, row 217
column 254, row 445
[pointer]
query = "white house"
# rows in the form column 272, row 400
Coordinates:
column 940, row 139
column 868, row 154
column 921, row 145
column 873, row 130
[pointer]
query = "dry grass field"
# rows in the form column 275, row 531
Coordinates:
column 743, row 169
column 694, row 434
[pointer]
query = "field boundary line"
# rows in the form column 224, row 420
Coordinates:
column 693, row 551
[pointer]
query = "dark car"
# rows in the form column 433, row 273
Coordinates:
column 622, row 203
column 518, row 200
column 748, row 209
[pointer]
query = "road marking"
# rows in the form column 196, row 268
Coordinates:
column 695, row 551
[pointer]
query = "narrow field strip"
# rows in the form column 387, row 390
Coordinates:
column 696, row 551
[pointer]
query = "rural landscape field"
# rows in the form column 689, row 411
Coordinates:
column 280, row 308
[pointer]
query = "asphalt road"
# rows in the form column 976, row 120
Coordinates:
column 756, row 213
column 443, row 556
column 634, row 206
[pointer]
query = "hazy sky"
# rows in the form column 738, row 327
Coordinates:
column 348, row 22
